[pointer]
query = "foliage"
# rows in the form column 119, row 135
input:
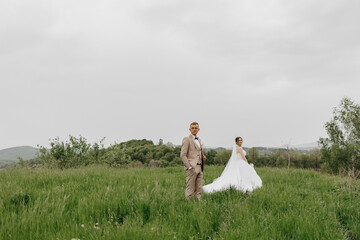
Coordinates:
column 134, row 153
column 21, row 162
column 210, row 156
column 74, row 152
column 222, row 157
column 253, row 155
column 340, row 151
column 77, row 152
column 115, row 156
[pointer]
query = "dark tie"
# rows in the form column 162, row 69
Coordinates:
column 196, row 138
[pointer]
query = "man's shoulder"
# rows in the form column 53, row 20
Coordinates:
column 186, row 139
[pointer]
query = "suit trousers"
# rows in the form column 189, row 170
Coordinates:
column 194, row 182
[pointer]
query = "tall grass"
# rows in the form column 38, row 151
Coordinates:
column 105, row 203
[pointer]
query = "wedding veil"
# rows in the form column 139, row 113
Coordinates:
column 232, row 159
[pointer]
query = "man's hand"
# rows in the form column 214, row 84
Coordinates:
column 204, row 158
column 190, row 169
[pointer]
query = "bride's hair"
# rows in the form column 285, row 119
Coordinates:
column 237, row 139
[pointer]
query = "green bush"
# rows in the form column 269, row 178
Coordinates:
column 341, row 149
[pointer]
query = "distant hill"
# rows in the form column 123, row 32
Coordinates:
column 305, row 146
column 308, row 146
column 10, row 155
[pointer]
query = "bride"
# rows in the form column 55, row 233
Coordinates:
column 237, row 173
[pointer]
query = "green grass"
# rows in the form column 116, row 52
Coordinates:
column 149, row 204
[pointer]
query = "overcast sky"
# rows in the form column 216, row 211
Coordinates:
column 269, row 71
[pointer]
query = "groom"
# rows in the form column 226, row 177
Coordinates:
column 193, row 159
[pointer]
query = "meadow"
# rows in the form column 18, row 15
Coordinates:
column 99, row 202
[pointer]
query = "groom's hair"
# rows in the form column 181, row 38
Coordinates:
column 237, row 139
column 194, row 123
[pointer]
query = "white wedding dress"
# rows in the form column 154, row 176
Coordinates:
column 237, row 174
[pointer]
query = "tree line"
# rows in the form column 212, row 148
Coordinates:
column 339, row 152
column 77, row 152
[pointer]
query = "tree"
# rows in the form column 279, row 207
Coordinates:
column 253, row 155
column 315, row 157
column 21, row 162
column 288, row 149
column 341, row 149
column 222, row 157
column 74, row 152
column 210, row 156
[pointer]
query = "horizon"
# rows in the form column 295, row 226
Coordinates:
column 298, row 146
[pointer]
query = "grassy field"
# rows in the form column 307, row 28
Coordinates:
column 104, row 203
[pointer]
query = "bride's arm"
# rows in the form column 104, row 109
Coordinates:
column 242, row 154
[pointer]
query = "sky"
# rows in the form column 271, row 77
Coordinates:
column 268, row 71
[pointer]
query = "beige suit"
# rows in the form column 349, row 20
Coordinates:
column 191, row 155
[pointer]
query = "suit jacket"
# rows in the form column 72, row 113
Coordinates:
column 191, row 153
